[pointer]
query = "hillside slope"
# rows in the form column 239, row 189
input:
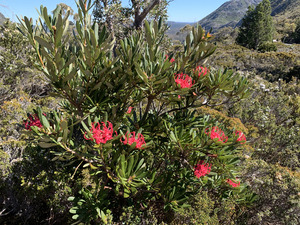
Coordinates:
column 228, row 14
column 289, row 9
column 285, row 14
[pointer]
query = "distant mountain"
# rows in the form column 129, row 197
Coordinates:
column 174, row 29
column 176, row 26
column 228, row 14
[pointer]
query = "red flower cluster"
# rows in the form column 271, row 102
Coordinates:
column 130, row 139
column 171, row 60
column 184, row 80
column 129, row 109
column 216, row 132
column 233, row 184
column 242, row 137
column 106, row 133
column 202, row 71
column 201, row 169
column 101, row 135
column 33, row 121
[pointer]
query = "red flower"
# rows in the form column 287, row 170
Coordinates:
column 233, row 184
column 101, row 136
column 184, row 80
column 33, row 121
column 130, row 139
column 202, row 71
column 242, row 137
column 129, row 109
column 216, row 132
column 201, row 169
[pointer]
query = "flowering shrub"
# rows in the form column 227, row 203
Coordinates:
column 201, row 169
column 33, row 121
column 100, row 135
column 216, row 133
column 132, row 138
column 96, row 85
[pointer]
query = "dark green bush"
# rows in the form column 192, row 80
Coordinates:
column 267, row 47
column 294, row 72
column 156, row 154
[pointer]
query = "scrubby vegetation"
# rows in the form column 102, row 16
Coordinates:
column 99, row 130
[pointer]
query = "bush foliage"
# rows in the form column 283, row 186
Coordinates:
column 129, row 122
column 136, row 132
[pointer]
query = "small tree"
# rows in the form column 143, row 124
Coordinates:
column 247, row 29
column 119, row 20
column 257, row 26
column 111, row 14
column 297, row 33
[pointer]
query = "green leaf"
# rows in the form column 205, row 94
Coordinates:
column 71, row 75
column 140, row 164
column 93, row 39
column 64, row 124
column 126, row 194
column 71, row 198
column 59, row 30
column 131, row 162
column 42, row 118
column 172, row 135
column 46, row 145
column 56, row 12
column 75, row 217
column 123, row 163
column 93, row 109
column 45, row 16
column 85, row 127
column 43, row 43
column 103, row 217
column 28, row 25
column 148, row 34
column 141, row 73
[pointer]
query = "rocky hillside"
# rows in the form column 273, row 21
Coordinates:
column 228, row 14
column 285, row 13
column 289, row 9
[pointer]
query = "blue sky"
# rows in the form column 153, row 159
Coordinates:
column 179, row 10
